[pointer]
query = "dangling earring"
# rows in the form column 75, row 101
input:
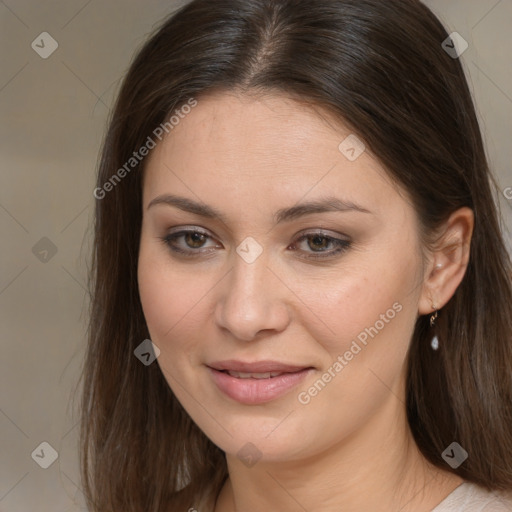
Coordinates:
column 435, row 340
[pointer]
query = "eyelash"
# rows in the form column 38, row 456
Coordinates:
column 342, row 245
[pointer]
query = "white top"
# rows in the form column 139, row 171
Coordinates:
column 469, row 497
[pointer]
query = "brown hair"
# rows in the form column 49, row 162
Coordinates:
column 380, row 68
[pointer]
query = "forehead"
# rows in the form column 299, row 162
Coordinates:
column 267, row 145
column 229, row 123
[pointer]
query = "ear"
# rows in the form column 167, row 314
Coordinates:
column 448, row 261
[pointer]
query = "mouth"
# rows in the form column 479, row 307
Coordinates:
column 245, row 375
column 256, row 383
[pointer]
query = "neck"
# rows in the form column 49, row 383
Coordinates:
column 378, row 467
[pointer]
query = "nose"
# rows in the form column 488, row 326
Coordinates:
column 251, row 301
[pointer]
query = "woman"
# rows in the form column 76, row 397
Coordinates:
column 302, row 298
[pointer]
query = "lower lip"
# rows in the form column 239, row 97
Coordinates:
column 257, row 391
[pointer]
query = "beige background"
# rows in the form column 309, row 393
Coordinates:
column 53, row 113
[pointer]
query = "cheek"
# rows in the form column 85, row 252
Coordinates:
column 360, row 304
column 171, row 300
column 373, row 314
column 173, row 310
column 373, row 319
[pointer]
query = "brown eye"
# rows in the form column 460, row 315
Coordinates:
column 318, row 242
column 195, row 240
column 319, row 245
column 190, row 242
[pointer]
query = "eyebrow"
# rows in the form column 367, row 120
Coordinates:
column 327, row 204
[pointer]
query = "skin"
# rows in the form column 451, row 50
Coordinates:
column 350, row 447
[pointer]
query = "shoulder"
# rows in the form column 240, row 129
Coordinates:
column 469, row 497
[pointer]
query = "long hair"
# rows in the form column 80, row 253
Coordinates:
column 381, row 69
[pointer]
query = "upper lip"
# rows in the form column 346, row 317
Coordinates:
column 256, row 367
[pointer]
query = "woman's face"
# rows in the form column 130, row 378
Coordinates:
column 301, row 274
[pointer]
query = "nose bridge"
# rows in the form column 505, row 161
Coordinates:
column 249, row 302
column 247, row 284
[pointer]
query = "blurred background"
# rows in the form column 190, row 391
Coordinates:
column 61, row 65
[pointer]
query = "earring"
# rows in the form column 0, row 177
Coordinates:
column 435, row 340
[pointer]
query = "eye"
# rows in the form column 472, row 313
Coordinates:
column 188, row 242
column 193, row 242
column 321, row 245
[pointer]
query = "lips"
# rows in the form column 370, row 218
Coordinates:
column 256, row 367
column 257, row 382
column 250, row 375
